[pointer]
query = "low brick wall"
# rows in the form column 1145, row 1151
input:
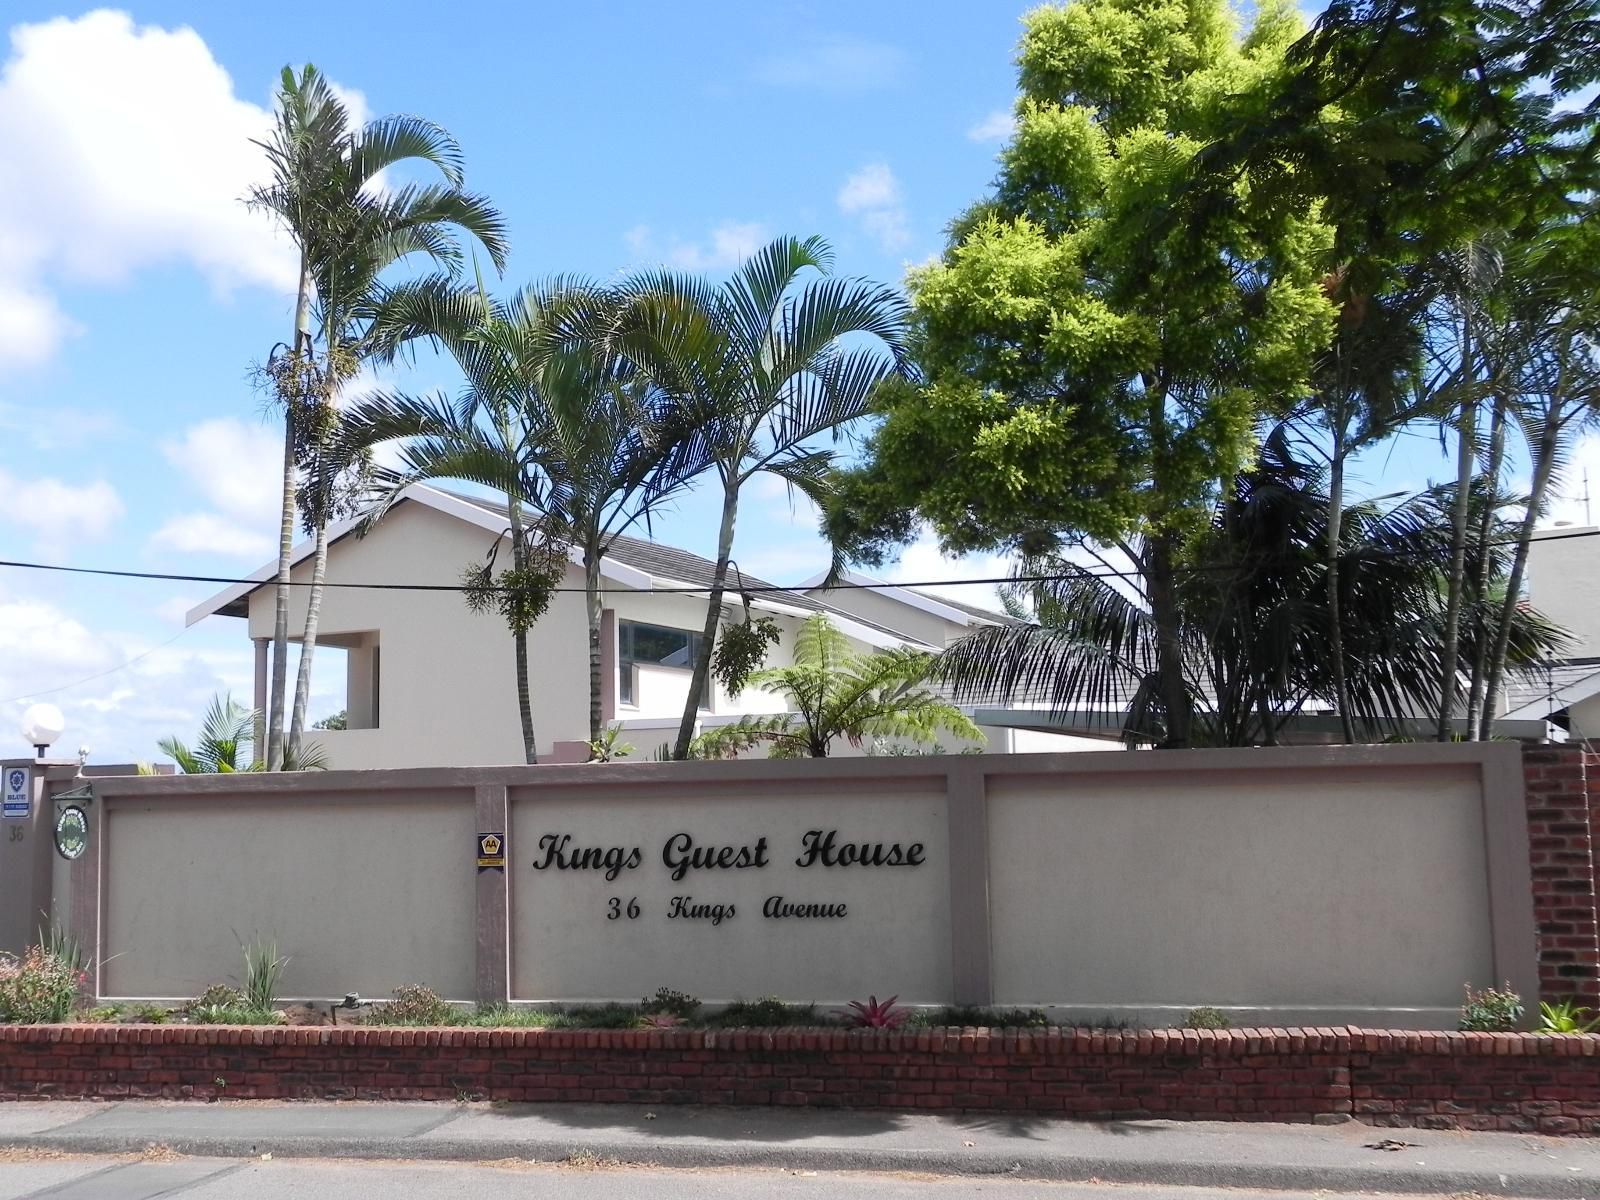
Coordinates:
column 1456, row 1080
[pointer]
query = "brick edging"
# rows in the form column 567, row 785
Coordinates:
column 1385, row 1077
column 937, row 1039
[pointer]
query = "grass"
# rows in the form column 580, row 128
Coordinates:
column 233, row 1014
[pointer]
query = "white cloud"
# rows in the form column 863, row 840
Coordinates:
column 236, row 467
column 118, row 692
column 135, row 152
column 639, row 240
column 725, row 246
column 58, row 513
column 998, row 126
column 730, row 243
column 212, row 533
column 922, row 562
column 839, row 64
column 872, row 196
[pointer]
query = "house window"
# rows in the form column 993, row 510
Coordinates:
column 644, row 645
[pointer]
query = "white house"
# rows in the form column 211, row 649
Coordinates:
column 431, row 683
column 1564, row 584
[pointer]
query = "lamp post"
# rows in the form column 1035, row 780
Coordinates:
column 42, row 725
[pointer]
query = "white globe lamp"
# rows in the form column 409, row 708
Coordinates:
column 42, row 725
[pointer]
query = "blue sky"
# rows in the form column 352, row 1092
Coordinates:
column 136, row 292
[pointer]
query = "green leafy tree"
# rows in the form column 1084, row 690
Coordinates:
column 835, row 691
column 759, row 368
column 349, row 229
column 1093, row 368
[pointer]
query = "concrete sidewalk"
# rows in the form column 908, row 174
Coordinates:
column 1344, row 1158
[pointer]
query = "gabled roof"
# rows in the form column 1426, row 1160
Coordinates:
column 1534, row 695
column 632, row 562
column 953, row 611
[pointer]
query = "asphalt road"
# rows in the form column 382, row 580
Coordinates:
column 98, row 1178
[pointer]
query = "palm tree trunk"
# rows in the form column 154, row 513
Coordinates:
column 1543, row 469
column 1160, row 572
column 719, row 579
column 308, row 644
column 591, row 597
column 519, row 638
column 280, row 623
column 1480, row 582
column 1466, row 438
column 1341, row 683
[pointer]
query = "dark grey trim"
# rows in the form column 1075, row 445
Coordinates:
column 967, row 813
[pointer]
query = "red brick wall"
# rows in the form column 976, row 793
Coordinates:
column 1563, row 788
column 1503, row 1081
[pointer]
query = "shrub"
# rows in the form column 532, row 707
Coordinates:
column 1206, row 1017
column 414, row 1004
column 151, row 1014
column 1566, row 1017
column 1493, row 1010
column 674, row 1004
column 874, row 1014
column 263, row 969
column 769, row 1012
column 39, row 988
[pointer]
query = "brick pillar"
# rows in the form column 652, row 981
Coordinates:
column 1563, row 788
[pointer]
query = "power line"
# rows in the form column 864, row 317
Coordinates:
column 688, row 589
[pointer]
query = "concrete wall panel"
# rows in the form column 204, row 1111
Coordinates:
column 361, row 892
column 1270, row 889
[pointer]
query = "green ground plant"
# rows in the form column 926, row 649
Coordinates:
column 963, row 1016
column 263, row 971
column 672, row 1003
column 769, row 1012
column 1206, row 1017
column 1493, row 1010
column 1567, row 1016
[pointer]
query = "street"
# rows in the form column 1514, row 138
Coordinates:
column 124, row 1178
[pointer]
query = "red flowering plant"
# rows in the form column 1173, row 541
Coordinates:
column 875, row 1014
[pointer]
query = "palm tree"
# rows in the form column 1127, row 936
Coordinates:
column 349, row 228
column 551, row 417
column 1366, row 387
column 1554, row 329
column 1256, row 627
column 484, row 436
column 759, row 369
column 224, row 744
column 837, row 692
